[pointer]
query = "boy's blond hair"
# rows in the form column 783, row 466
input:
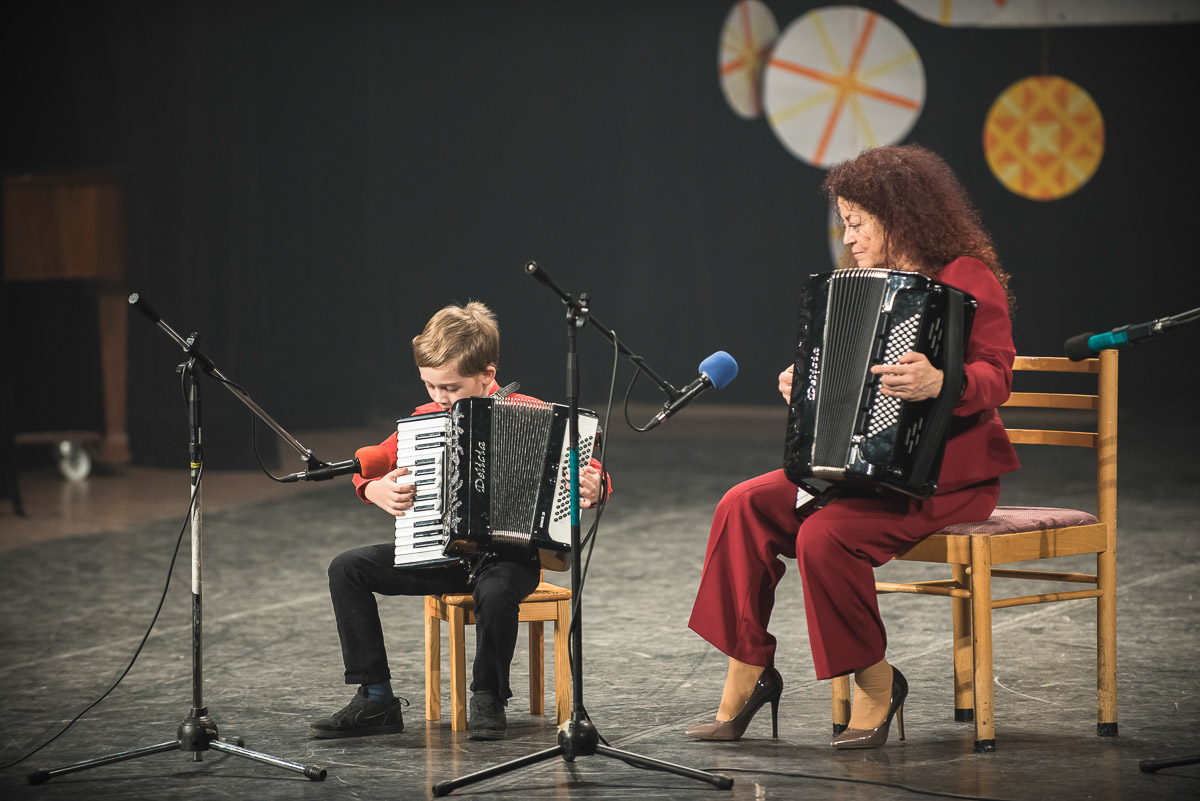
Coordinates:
column 469, row 334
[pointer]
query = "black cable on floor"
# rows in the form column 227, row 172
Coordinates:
column 162, row 599
column 892, row 785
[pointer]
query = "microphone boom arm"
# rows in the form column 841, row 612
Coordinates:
column 543, row 277
column 189, row 346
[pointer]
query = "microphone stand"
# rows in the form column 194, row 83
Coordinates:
column 1153, row 765
column 578, row 736
column 197, row 732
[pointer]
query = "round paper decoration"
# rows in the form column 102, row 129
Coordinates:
column 746, row 39
column 1053, row 13
column 1043, row 137
column 956, row 12
column 842, row 80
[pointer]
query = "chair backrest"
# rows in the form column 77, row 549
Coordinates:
column 1103, row 403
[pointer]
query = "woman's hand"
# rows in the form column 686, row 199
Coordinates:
column 913, row 378
column 391, row 493
column 785, row 383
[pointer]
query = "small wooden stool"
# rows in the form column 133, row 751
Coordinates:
column 547, row 602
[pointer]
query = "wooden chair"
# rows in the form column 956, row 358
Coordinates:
column 547, row 602
column 1021, row 534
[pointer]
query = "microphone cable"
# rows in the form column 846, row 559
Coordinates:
column 848, row 780
column 593, row 531
column 253, row 430
column 257, row 456
column 637, row 361
column 137, row 652
column 590, row 538
column 239, row 389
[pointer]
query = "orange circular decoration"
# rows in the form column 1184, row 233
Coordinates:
column 1043, row 137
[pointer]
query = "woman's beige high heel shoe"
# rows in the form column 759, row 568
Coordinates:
column 768, row 688
column 873, row 738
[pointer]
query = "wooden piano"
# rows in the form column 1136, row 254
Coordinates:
column 72, row 226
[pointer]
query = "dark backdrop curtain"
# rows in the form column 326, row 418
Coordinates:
column 309, row 181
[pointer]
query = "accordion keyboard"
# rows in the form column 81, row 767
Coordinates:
column 421, row 447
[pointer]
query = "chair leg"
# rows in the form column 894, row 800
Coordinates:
column 433, row 661
column 537, row 668
column 964, row 686
column 981, row 629
column 1106, row 645
column 458, row 668
column 840, row 687
column 562, row 663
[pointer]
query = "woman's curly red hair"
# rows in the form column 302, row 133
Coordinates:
column 927, row 218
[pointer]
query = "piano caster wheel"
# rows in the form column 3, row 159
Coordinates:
column 74, row 461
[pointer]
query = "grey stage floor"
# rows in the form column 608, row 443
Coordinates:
column 74, row 610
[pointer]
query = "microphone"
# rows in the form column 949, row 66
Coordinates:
column 716, row 371
column 1080, row 347
column 369, row 462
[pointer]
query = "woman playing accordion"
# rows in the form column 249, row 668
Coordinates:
column 903, row 210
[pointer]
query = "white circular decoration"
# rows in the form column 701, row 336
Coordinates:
column 1053, row 13
column 842, row 80
column 746, row 38
column 956, row 12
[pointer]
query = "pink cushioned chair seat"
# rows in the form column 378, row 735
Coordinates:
column 1010, row 519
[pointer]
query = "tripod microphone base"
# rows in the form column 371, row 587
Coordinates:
column 718, row 780
column 197, row 733
column 577, row 738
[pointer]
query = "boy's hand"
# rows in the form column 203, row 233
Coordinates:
column 589, row 488
column 785, row 383
column 390, row 493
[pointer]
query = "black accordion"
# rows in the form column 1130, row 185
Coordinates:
column 841, row 428
column 490, row 474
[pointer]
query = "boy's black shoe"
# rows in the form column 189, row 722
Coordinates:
column 361, row 717
column 488, row 721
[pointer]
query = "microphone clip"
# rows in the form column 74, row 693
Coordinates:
column 579, row 312
column 316, row 470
